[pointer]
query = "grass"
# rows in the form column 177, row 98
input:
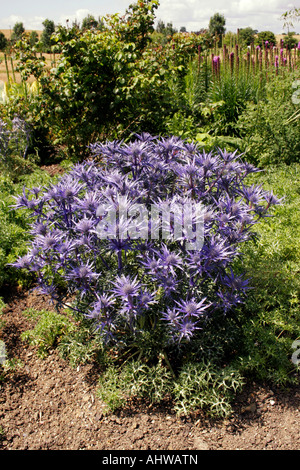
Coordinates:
column 271, row 316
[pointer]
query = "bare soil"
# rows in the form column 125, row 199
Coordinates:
column 48, row 405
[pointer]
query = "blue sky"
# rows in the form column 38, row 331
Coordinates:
column 193, row 14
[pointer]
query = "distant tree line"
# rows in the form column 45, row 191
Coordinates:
column 45, row 41
column 216, row 31
column 164, row 31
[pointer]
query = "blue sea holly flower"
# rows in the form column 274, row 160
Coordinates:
column 234, row 282
column 85, row 225
column 169, row 259
column 89, row 204
column 145, row 299
column 172, row 316
column 151, row 264
column 83, row 272
column 126, row 287
column 169, row 283
column 49, row 241
column 186, row 329
column 39, row 228
column 103, row 304
column 192, row 308
column 24, row 262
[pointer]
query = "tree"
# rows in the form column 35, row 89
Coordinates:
column 247, row 36
column 18, row 31
column 3, row 41
column 49, row 29
column 289, row 17
column 266, row 38
column 216, row 26
column 33, row 38
column 165, row 29
column 89, row 22
column 136, row 26
column 289, row 40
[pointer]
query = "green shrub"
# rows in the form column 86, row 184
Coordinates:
column 48, row 330
column 233, row 91
column 14, row 144
column 269, row 133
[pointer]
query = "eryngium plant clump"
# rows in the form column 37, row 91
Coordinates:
column 132, row 286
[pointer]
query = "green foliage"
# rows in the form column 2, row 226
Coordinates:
column 33, row 38
column 2, row 305
column 14, row 144
column 81, row 345
column 3, row 41
column 14, row 227
column 247, row 36
column 216, row 26
column 289, row 40
column 90, row 22
column 270, row 321
column 266, row 36
column 105, row 84
column 198, row 386
column 137, row 23
column 269, row 133
column 163, row 33
column 134, row 380
column 46, row 37
column 233, row 92
column 97, row 83
column 50, row 327
column 17, row 33
column 204, row 386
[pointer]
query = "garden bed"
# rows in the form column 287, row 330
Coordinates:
column 47, row 405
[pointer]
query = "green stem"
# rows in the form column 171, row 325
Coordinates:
column 13, row 70
column 6, row 66
column 168, row 363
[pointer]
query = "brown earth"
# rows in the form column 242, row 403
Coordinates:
column 47, row 405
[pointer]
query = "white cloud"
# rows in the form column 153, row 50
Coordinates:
column 78, row 16
column 195, row 14
column 11, row 20
column 34, row 22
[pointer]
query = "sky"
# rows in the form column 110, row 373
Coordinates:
column 193, row 14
